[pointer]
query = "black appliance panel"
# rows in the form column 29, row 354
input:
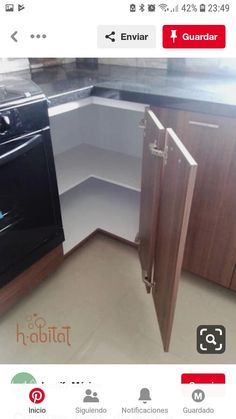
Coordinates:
column 30, row 217
column 23, row 119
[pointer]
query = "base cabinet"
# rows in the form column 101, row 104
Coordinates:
column 24, row 283
column 110, row 178
column 211, row 240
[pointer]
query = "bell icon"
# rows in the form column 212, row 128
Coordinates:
column 144, row 395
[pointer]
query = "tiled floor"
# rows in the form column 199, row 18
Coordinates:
column 98, row 293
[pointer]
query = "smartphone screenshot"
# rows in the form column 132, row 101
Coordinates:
column 117, row 209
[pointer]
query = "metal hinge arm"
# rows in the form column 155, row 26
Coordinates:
column 146, row 281
column 158, row 153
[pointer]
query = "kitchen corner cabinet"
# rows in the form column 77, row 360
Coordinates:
column 211, row 240
column 112, row 176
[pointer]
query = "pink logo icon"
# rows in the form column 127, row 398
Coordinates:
column 37, row 395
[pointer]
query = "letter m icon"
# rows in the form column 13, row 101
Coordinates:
column 198, row 396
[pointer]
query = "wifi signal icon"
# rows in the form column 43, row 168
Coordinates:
column 163, row 7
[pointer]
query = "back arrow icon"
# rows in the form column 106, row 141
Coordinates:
column 13, row 36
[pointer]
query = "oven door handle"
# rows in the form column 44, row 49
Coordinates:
column 20, row 149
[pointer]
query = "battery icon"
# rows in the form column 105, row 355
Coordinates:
column 202, row 7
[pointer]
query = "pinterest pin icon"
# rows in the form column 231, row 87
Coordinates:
column 37, row 395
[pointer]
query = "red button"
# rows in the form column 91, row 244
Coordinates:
column 194, row 36
column 203, row 378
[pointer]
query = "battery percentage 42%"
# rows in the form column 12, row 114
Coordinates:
column 189, row 8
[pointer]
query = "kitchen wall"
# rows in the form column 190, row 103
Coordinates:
column 47, row 62
column 211, row 65
column 220, row 66
column 13, row 64
column 190, row 65
column 136, row 62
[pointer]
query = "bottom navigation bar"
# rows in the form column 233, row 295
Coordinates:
column 117, row 391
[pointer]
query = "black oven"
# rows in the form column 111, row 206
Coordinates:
column 30, row 218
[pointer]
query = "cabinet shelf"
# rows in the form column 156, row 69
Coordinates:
column 83, row 162
column 97, row 204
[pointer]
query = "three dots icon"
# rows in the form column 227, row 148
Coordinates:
column 38, row 36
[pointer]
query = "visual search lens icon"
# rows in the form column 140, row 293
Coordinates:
column 145, row 395
column 211, row 339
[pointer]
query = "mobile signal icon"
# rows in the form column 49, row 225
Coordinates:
column 175, row 9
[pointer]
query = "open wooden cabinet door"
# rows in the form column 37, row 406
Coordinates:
column 165, row 209
column 152, row 168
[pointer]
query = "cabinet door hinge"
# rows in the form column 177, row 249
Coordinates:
column 142, row 123
column 146, row 280
column 159, row 153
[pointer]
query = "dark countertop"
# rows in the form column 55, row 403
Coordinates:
column 213, row 95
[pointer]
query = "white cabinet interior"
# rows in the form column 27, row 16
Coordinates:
column 97, row 204
column 98, row 154
column 85, row 161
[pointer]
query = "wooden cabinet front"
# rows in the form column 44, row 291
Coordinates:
column 211, row 241
column 233, row 282
column 168, row 178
